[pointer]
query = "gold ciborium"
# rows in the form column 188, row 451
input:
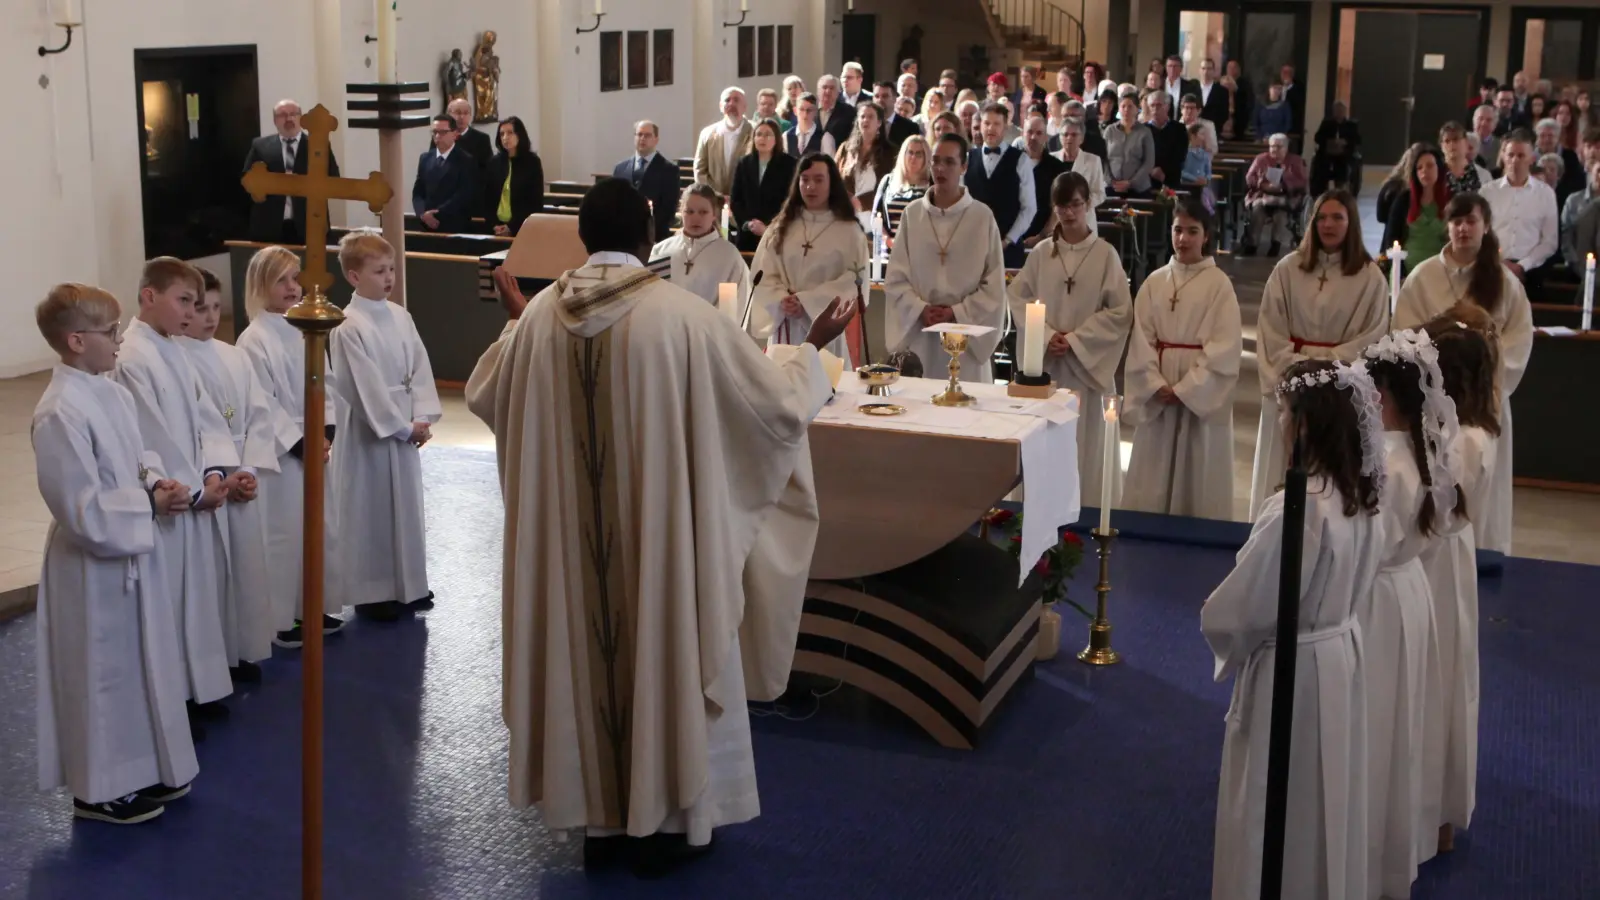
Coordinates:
column 878, row 377
column 954, row 343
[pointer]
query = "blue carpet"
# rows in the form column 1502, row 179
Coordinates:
column 1090, row 784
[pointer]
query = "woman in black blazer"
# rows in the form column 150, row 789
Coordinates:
column 758, row 194
column 516, row 161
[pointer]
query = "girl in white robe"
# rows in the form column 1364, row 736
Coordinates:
column 813, row 252
column 384, row 395
column 1327, row 300
column 248, row 624
column 1088, row 310
column 947, row 265
column 111, row 720
column 1183, row 364
column 1334, row 408
column 1468, row 270
column 702, row 259
column 1397, row 617
column 1465, row 340
column 277, row 353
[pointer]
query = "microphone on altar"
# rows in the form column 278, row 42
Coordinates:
column 749, row 301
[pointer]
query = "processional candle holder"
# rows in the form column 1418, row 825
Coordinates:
column 1099, row 652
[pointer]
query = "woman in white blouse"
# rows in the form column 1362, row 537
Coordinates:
column 1084, row 163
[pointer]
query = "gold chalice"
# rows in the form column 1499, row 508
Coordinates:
column 955, row 344
column 878, row 377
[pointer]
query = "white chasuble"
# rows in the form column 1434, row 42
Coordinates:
column 630, row 416
column 821, row 258
column 383, row 383
column 179, row 421
column 1452, row 569
column 110, row 669
column 702, row 265
column 1321, row 314
column 1085, row 293
column 1186, row 336
column 1325, row 854
column 1431, row 290
column 277, row 353
column 1400, row 647
column 232, row 385
column 946, row 257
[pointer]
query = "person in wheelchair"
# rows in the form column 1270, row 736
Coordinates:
column 1337, row 162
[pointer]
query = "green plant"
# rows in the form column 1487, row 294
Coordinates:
column 1057, row 564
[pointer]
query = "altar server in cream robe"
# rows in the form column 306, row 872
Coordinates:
column 629, row 413
column 1183, row 364
column 385, row 404
column 1088, row 310
column 112, row 727
column 702, row 259
column 183, row 426
column 277, row 352
column 231, row 383
column 1326, row 300
column 947, row 266
column 1469, row 270
column 1325, row 851
column 813, row 252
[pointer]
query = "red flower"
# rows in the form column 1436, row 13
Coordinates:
column 1043, row 565
column 999, row 517
column 1016, row 539
column 1071, row 537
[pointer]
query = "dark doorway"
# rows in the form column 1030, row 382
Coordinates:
column 860, row 44
column 198, row 111
column 1559, row 43
column 1435, row 58
column 1262, row 36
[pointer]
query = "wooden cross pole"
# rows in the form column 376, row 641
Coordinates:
column 316, row 317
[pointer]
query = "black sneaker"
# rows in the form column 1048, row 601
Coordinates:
column 161, row 793
column 289, row 640
column 129, row 810
column 197, row 732
column 386, row 611
column 332, row 624
column 422, row 602
column 659, row 855
column 245, row 672
column 610, row 852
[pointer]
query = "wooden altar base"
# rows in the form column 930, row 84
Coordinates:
column 944, row 639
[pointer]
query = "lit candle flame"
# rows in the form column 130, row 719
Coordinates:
column 1111, row 409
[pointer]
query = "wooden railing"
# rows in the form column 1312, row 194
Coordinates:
column 1043, row 21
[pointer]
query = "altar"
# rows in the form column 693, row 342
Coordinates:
column 904, row 601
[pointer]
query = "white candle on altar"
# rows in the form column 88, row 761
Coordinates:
column 1588, row 292
column 387, row 68
column 1397, row 258
column 1112, row 462
column 727, row 295
column 1033, row 332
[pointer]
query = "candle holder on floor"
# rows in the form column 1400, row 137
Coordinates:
column 1099, row 652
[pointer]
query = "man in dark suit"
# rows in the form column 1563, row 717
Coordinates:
column 653, row 175
column 1001, row 178
column 1046, row 167
column 443, row 193
column 1213, row 95
column 834, row 115
column 1171, row 140
column 807, row 136
column 1175, row 85
column 854, row 81
column 1293, row 94
column 1028, row 93
column 895, row 128
column 279, row 219
column 477, row 145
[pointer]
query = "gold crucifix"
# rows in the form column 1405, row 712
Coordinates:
column 317, row 188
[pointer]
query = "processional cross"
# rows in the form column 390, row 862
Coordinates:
column 316, row 317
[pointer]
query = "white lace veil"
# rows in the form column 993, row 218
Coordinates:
column 1368, row 406
column 1440, row 427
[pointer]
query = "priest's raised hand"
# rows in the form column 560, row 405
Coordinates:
column 511, row 299
column 831, row 323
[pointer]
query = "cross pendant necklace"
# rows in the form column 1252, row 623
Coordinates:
column 944, row 245
column 689, row 255
column 806, row 245
column 1177, row 288
column 1072, row 276
column 1322, row 280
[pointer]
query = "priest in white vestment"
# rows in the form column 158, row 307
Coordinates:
column 1435, row 286
column 947, row 266
column 702, row 260
column 660, row 518
column 181, row 424
column 1326, row 300
column 1183, row 364
column 813, row 252
column 1088, row 310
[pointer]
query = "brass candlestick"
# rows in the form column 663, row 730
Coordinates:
column 954, row 344
column 1099, row 652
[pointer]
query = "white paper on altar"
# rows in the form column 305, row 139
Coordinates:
column 1049, row 449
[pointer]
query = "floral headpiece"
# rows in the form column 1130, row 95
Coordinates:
column 1440, row 427
column 1368, row 405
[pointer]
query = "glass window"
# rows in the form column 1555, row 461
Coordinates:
column 1550, row 49
column 1201, row 36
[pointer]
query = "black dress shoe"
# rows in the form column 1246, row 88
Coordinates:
column 208, row 712
column 659, row 855
column 602, row 853
column 247, row 672
column 386, row 611
column 422, row 602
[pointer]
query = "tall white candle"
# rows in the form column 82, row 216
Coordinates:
column 1588, row 291
column 387, row 67
column 1033, row 333
column 727, row 295
column 1397, row 258
column 1112, row 461
column 727, row 222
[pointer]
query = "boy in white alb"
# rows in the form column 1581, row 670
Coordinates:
column 181, row 424
column 385, row 402
column 232, row 386
column 112, row 727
